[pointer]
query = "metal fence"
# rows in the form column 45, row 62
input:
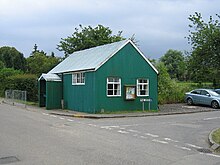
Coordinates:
column 16, row 97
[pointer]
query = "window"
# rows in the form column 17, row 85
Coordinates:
column 78, row 78
column 198, row 92
column 113, row 86
column 142, row 87
column 204, row 93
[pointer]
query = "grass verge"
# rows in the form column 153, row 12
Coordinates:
column 216, row 136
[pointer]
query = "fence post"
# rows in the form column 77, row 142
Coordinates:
column 13, row 97
column 25, row 98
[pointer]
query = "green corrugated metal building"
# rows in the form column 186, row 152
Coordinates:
column 112, row 77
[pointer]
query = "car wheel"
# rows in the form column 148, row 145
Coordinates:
column 189, row 101
column 214, row 104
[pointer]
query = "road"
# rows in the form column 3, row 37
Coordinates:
column 35, row 137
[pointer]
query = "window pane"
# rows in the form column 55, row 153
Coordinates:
column 116, row 79
column 110, row 92
column 110, row 86
column 143, row 92
column 83, row 80
column 110, row 79
column 74, row 78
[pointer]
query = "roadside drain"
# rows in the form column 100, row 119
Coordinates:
column 204, row 150
column 8, row 160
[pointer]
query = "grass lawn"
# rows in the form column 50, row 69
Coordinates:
column 216, row 136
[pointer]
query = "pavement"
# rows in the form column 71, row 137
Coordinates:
column 167, row 109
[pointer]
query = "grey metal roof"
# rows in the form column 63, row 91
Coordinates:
column 93, row 58
column 50, row 77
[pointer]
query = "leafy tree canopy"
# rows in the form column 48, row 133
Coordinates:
column 87, row 37
column 174, row 61
column 12, row 58
column 205, row 40
column 39, row 63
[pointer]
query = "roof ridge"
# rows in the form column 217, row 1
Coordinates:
column 99, row 46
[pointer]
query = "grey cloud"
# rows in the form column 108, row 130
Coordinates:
column 158, row 25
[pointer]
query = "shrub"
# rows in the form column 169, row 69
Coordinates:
column 24, row 82
column 4, row 73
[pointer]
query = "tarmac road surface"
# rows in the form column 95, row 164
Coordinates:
column 33, row 137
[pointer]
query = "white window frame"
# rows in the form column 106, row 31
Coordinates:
column 140, row 86
column 113, row 83
column 78, row 78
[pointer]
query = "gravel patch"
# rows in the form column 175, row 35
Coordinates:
column 183, row 108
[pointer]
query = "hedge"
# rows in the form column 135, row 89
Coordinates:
column 24, row 82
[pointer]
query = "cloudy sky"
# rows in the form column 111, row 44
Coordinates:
column 158, row 25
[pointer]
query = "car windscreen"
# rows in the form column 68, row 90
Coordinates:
column 213, row 93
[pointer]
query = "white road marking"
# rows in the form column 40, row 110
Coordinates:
column 152, row 135
column 194, row 146
column 53, row 116
column 168, row 139
column 61, row 118
column 45, row 114
column 217, row 156
column 135, row 135
column 109, row 127
column 70, row 120
column 159, row 141
column 125, row 132
column 135, row 131
column 184, row 148
column 106, row 127
column 92, row 125
column 143, row 137
column 211, row 118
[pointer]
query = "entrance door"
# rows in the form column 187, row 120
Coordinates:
column 42, row 93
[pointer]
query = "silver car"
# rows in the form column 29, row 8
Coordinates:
column 217, row 91
column 203, row 96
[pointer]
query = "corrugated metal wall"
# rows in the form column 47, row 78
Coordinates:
column 91, row 97
column 129, row 65
column 53, row 94
column 80, row 97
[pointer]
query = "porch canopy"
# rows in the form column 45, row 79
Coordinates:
column 49, row 77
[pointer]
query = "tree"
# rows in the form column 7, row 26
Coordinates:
column 39, row 63
column 12, row 58
column 87, row 37
column 35, row 49
column 2, row 65
column 205, row 40
column 165, row 83
column 175, row 63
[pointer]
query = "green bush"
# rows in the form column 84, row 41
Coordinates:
column 24, row 82
column 4, row 73
column 171, row 91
